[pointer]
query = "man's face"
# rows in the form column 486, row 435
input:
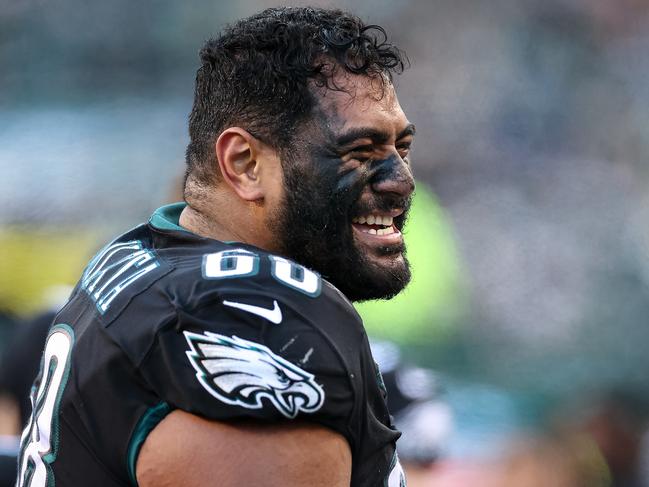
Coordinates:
column 348, row 185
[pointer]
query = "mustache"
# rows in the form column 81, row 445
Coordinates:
column 385, row 204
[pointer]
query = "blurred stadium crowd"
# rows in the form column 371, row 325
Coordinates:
column 531, row 249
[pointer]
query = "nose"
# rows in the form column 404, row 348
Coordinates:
column 394, row 177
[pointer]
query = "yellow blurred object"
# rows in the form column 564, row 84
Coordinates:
column 34, row 260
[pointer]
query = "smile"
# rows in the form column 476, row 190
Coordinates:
column 377, row 224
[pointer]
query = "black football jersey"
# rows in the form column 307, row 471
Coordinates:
column 164, row 319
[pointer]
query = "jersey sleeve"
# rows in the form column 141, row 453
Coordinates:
column 249, row 354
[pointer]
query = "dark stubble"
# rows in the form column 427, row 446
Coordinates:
column 314, row 224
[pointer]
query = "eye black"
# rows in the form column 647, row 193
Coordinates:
column 404, row 147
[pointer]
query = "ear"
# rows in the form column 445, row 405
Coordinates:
column 237, row 153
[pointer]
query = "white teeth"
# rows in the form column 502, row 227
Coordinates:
column 385, row 231
column 385, row 221
column 380, row 231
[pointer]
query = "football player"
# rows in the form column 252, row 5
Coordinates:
column 216, row 344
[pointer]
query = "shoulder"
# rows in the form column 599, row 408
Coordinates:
column 150, row 274
column 241, row 293
column 150, row 281
column 241, row 284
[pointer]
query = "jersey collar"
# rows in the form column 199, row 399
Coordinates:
column 167, row 217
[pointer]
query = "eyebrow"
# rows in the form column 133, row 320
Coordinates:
column 377, row 136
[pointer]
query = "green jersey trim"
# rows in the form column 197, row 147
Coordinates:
column 145, row 425
column 167, row 217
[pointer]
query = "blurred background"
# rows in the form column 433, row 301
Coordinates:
column 529, row 236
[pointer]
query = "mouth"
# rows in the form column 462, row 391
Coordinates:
column 379, row 227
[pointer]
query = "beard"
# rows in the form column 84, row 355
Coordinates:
column 315, row 226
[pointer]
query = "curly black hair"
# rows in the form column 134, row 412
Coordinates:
column 256, row 74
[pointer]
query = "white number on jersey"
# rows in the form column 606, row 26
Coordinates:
column 396, row 478
column 39, row 441
column 243, row 263
column 230, row 263
column 295, row 276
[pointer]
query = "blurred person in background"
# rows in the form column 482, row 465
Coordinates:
column 7, row 328
column 415, row 399
column 19, row 365
column 541, row 460
column 614, row 423
column 617, row 423
column 594, row 440
column 9, row 410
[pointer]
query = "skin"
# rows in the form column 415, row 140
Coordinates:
column 279, row 455
column 9, row 415
column 349, row 160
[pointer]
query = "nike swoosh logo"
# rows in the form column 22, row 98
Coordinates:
column 273, row 315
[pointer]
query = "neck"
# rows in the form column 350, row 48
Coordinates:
column 218, row 215
column 194, row 220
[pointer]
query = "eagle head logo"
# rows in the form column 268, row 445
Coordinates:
column 242, row 373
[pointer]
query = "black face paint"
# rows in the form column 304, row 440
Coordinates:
column 391, row 169
column 316, row 229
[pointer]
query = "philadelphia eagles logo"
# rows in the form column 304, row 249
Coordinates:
column 242, row 373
